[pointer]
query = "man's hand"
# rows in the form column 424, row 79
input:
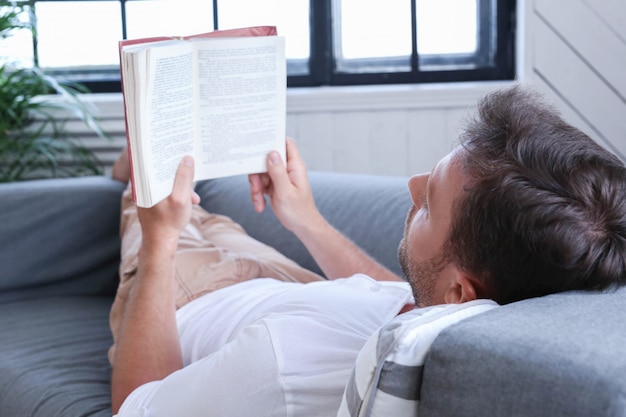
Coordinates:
column 163, row 222
column 291, row 198
column 288, row 189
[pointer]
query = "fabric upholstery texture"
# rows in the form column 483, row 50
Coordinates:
column 53, row 357
column 59, row 237
column 561, row 355
column 59, row 247
column 555, row 356
column 368, row 209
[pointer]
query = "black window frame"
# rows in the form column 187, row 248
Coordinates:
column 322, row 65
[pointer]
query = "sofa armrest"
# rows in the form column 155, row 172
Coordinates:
column 59, row 236
column 558, row 355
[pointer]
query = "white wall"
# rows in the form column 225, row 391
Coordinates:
column 574, row 51
column 386, row 130
column 392, row 130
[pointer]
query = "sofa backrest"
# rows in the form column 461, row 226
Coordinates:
column 369, row 210
column 59, row 236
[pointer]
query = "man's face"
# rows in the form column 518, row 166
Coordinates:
column 428, row 223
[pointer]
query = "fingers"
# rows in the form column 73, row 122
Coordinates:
column 295, row 165
column 293, row 154
column 257, row 191
column 276, row 170
column 162, row 223
column 195, row 198
column 280, row 180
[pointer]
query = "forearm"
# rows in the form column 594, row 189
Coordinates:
column 148, row 348
column 336, row 255
column 292, row 200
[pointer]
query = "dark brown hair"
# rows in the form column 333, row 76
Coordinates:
column 545, row 207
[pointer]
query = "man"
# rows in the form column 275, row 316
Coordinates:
column 526, row 205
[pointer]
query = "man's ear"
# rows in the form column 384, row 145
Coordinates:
column 464, row 288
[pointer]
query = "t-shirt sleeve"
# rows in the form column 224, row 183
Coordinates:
column 241, row 379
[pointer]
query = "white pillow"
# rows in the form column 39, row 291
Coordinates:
column 387, row 376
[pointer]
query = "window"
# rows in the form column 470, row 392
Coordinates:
column 329, row 42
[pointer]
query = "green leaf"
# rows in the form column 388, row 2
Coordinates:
column 33, row 142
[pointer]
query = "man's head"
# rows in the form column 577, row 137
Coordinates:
column 526, row 205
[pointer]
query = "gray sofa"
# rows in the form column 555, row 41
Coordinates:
column 562, row 355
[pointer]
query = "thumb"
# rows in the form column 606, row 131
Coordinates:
column 183, row 182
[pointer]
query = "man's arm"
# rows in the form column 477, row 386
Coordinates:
column 148, row 348
column 292, row 201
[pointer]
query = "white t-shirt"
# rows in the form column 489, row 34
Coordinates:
column 269, row 348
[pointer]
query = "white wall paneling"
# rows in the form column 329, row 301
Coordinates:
column 313, row 134
column 575, row 53
column 392, row 130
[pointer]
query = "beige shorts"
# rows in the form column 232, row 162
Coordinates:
column 213, row 252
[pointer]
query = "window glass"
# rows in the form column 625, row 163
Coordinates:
column 364, row 29
column 291, row 18
column 17, row 48
column 336, row 42
column 168, row 18
column 446, row 26
column 78, row 33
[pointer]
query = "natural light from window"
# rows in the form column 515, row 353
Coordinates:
column 85, row 34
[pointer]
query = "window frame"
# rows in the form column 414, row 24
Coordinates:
column 322, row 67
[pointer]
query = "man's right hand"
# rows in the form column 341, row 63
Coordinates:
column 162, row 223
column 148, row 347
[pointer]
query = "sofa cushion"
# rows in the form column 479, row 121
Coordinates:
column 59, row 236
column 371, row 213
column 53, row 361
column 559, row 355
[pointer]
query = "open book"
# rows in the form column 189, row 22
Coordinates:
column 218, row 96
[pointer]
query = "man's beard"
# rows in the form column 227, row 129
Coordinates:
column 422, row 275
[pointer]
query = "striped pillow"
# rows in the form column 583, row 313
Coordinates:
column 387, row 375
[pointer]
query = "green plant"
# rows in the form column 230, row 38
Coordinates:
column 33, row 140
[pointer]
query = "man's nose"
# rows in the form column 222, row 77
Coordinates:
column 417, row 187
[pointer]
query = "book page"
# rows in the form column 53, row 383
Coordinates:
column 169, row 134
column 241, row 102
